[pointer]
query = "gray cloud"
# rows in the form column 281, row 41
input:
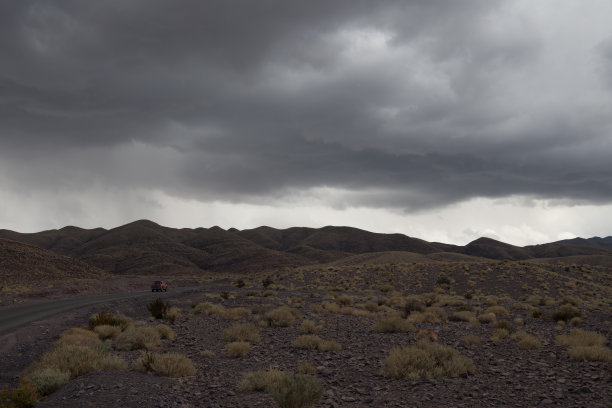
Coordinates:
column 402, row 104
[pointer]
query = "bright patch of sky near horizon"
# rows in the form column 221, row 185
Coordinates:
column 443, row 121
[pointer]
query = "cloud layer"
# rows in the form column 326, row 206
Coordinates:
column 390, row 104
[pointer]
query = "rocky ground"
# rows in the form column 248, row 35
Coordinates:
column 505, row 374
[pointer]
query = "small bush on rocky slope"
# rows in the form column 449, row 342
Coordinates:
column 425, row 360
column 527, row 341
column 241, row 332
column 585, row 345
column 393, row 324
column 105, row 317
column 309, row 327
column 136, row 338
column 289, row 390
column 24, row 396
column 169, row 365
column 238, row 349
column 106, row 331
column 566, row 312
column 48, row 380
column 158, row 308
column 282, row 316
column 312, row 342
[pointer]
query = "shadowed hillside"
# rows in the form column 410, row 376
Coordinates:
column 144, row 247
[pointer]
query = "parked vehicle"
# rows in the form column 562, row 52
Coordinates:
column 159, row 286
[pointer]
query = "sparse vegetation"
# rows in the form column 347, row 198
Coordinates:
column 393, row 325
column 241, row 332
column 168, row 365
column 137, row 338
column 312, row 342
column 238, row 348
column 425, row 360
column 282, row 316
column 288, row 389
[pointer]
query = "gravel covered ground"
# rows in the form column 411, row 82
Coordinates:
column 505, row 374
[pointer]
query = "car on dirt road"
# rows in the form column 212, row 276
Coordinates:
column 159, row 286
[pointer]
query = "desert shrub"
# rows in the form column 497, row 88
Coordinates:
column 259, row 380
column 504, row 324
column 209, row 309
column 331, row 307
column 106, row 331
column 236, row 313
column 462, row 316
column 309, row 327
column 78, row 337
column 491, row 300
column 565, row 312
column 371, row 307
column 241, row 332
column 497, row 310
column 570, row 300
column 24, row 396
column 423, row 317
column 207, row 353
column 79, row 360
column 158, row 308
column 575, row 321
column 500, row 334
column 591, row 353
column 165, row 332
column 521, row 306
column 578, row 337
column 296, row 390
column 487, row 318
column 135, row 338
column 345, row 300
column 528, row 341
column 312, row 342
column 172, row 314
column 304, row 367
column 413, row 305
column 168, row 365
column 48, row 380
column 267, row 282
column 393, row 324
column 105, row 317
column 471, row 339
column 283, row 316
column 238, row 348
column 425, row 360
column 443, row 280
column 536, row 313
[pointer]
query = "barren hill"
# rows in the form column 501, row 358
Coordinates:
column 144, row 247
column 23, row 264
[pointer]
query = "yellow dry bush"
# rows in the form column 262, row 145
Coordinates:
column 425, row 360
column 393, row 324
column 168, row 365
column 165, row 332
column 106, row 331
column 578, row 337
column 282, row 316
column 527, row 341
column 241, row 332
column 309, row 327
column 312, row 342
column 498, row 311
column 135, row 338
column 238, row 348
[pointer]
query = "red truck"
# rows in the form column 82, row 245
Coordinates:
column 159, row 286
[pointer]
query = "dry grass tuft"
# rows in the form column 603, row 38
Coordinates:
column 309, row 327
column 105, row 317
column 241, row 332
column 591, row 353
column 259, row 380
column 425, row 360
column 393, row 324
column 283, row 316
column 238, row 349
column 498, row 311
column 106, row 331
column 79, row 360
column 168, row 365
column 527, row 341
column 312, row 342
column 136, row 338
column 288, row 389
column 471, row 339
column 578, row 337
column 48, row 380
column 500, row 334
column 165, row 332
column 565, row 313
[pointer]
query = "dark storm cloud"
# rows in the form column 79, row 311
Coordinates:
column 402, row 104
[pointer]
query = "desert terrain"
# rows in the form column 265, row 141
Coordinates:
column 306, row 317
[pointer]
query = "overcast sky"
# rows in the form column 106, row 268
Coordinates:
column 443, row 120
